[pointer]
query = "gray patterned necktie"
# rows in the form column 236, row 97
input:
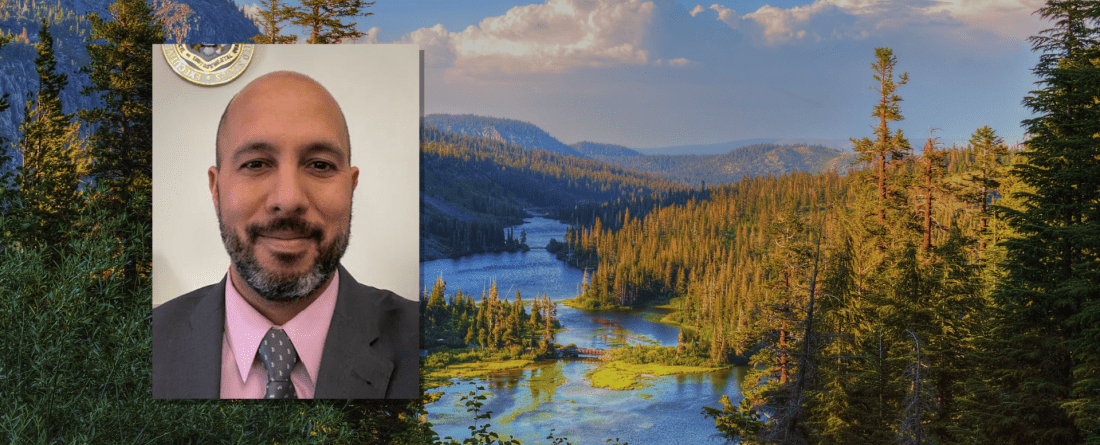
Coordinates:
column 279, row 358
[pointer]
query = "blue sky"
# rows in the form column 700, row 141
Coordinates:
column 652, row 73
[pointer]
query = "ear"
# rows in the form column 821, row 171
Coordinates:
column 212, row 174
column 354, row 178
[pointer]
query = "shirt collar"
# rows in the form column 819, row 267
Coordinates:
column 245, row 327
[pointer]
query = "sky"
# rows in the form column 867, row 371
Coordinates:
column 656, row 73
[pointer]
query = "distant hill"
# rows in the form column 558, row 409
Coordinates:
column 752, row 160
column 705, row 149
column 592, row 149
column 472, row 187
column 751, row 157
column 726, row 147
column 509, row 131
column 843, row 145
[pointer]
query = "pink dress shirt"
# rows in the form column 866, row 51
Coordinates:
column 243, row 374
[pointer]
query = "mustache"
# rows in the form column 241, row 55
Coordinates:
column 294, row 225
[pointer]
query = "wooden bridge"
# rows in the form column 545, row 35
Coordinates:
column 590, row 351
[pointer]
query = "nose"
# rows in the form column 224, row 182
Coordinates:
column 288, row 195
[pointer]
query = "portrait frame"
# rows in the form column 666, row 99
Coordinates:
column 378, row 88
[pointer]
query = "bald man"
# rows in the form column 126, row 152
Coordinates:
column 287, row 321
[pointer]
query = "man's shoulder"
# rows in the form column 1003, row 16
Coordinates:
column 388, row 323
column 187, row 335
column 383, row 300
column 181, row 307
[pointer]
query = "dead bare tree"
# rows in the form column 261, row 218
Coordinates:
column 789, row 400
column 919, row 401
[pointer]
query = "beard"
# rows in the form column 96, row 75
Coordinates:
column 283, row 287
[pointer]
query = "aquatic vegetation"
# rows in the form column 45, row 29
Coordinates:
column 543, row 383
column 440, row 367
column 621, row 376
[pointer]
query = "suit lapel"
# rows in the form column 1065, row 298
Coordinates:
column 350, row 366
column 202, row 353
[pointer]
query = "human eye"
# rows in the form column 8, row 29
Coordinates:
column 322, row 167
column 254, row 166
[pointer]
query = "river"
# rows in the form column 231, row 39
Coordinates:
column 554, row 394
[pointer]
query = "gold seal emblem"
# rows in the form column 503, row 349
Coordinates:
column 207, row 64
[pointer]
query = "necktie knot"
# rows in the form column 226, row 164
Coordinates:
column 279, row 358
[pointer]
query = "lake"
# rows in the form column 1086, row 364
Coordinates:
column 554, row 394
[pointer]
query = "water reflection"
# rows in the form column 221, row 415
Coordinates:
column 554, row 394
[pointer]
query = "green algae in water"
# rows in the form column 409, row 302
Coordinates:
column 543, row 384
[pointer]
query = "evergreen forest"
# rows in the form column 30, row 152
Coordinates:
column 929, row 295
column 474, row 187
column 946, row 295
column 493, row 323
column 76, row 258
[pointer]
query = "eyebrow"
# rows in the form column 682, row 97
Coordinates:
column 253, row 147
column 266, row 148
column 325, row 147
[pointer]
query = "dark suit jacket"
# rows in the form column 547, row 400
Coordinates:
column 371, row 351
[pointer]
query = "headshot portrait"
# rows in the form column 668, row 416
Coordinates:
column 285, row 221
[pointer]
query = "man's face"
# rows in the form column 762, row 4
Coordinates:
column 283, row 186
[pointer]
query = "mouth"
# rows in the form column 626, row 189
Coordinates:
column 286, row 252
column 284, row 235
column 287, row 240
column 285, row 229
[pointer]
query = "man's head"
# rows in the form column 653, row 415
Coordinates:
column 283, row 183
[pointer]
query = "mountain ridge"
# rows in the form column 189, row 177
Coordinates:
column 598, row 149
column 771, row 157
column 750, row 160
column 726, row 147
column 511, row 131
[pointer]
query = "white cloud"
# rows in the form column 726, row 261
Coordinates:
column 372, row 35
column 816, row 21
column 565, row 35
column 556, row 36
column 839, row 20
column 677, row 62
column 726, row 15
column 436, row 43
column 251, row 11
column 559, row 35
column 593, row 69
column 1007, row 18
column 568, row 35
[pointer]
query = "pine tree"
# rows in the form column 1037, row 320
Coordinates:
column 121, row 144
column 887, row 146
column 990, row 155
column 324, row 19
column 175, row 18
column 1051, row 293
column 929, row 186
column 779, row 381
column 4, row 158
column 50, row 143
column 9, row 197
column 273, row 14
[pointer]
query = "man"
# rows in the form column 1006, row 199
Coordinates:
column 287, row 321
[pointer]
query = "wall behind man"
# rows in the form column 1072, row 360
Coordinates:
column 378, row 88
